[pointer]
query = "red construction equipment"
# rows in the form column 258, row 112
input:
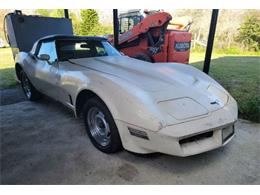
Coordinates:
column 147, row 38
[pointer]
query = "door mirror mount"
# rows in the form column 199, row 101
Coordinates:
column 44, row 57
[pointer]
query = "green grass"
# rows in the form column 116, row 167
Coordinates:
column 7, row 73
column 239, row 74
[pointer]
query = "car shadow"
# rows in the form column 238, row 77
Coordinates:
column 12, row 95
column 175, row 164
column 158, row 161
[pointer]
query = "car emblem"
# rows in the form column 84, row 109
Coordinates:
column 215, row 102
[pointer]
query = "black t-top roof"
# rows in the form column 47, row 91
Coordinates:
column 71, row 37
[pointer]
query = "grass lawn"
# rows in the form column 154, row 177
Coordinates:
column 7, row 72
column 239, row 74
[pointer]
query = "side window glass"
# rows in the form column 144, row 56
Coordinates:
column 131, row 23
column 50, row 49
column 123, row 25
column 101, row 50
column 136, row 20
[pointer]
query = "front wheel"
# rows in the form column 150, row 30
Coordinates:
column 29, row 90
column 101, row 127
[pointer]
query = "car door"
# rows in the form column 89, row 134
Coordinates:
column 47, row 72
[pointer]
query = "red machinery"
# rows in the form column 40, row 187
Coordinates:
column 147, row 38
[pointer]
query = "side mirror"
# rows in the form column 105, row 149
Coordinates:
column 44, row 57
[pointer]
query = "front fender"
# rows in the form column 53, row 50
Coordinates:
column 126, row 102
column 19, row 58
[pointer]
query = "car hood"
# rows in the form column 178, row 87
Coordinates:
column 166, row 82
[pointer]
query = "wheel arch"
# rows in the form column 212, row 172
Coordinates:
column 86, row 94
column 18, row 69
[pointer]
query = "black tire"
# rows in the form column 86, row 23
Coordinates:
column 143, row 57
column 29, row 90
column 114, row 144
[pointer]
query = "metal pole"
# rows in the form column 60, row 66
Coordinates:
column 212, row 29
column 66, row 13
column 116, row 27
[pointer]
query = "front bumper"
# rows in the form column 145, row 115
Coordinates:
column 183, row 139
column 178, row 146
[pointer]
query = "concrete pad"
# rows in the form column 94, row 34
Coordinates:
column 11, row 96
column 42, row 143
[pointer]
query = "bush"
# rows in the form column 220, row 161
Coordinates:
column 249, row 32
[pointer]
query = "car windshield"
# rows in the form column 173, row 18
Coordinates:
column 74, row 49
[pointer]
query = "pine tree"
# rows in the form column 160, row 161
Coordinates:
column 89, row 23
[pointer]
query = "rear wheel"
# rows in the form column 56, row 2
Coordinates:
column 101, row 127
column 29, row 90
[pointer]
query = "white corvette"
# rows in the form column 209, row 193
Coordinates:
column 127, row 103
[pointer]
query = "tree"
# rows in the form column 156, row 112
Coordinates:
column 201, row 21
column 249, row 32
column 3, row 12
column 89, row 24
column 56, row 13
column 227, row 28
column 43, row 12
column 75, row 23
